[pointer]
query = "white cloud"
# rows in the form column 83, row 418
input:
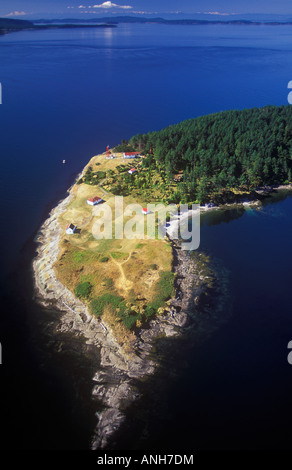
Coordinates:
column 108, row 5
column 16, row 13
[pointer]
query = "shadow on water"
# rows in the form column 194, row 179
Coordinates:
column 46, row 400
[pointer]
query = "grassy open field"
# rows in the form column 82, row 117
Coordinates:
column 125, row 282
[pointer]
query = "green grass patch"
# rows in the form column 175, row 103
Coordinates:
column 83, row 257
column 118, row 255
column 83, row 290
column 108, row 282
column 130, row 321
column 164, row 290
column 87, row 278
column 78, row 256
column 97, row 305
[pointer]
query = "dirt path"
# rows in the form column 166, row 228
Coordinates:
column 124, row 283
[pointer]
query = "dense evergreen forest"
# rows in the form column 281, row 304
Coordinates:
column 9, row 25
column 221, row 154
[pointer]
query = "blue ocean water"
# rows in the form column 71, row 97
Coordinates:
column 66, row 95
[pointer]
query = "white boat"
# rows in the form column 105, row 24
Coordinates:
column 64, row 161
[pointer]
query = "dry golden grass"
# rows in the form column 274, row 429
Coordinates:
column 129, row 268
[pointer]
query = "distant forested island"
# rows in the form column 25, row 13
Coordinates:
column 215, row 158
column 8, row 25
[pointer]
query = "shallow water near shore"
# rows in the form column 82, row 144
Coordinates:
column 64, row 97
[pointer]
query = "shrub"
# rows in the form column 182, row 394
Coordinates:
column 163, row 291
column 104, row 259
column 154, row 266
column 108, row 282
column 124, row 147
column 149, row 311
column 130, row 321
column 83, row 290
column 100, row 174
column 97, row 305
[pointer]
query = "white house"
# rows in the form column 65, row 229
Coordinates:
column 70, row 229
column 131, row 154
column 145, row 211
column 133, row 170
column 94, row 200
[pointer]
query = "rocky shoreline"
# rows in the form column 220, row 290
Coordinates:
column 117, row 373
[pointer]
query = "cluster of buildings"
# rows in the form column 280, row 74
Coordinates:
column 93, row 201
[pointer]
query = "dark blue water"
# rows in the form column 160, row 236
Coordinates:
column 239, row 382
column 68, row 94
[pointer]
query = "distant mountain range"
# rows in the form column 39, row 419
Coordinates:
column 158, row 20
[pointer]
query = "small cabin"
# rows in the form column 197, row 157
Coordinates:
column 145, row 211
column 71, row 229
column 94, row 200
column 131, row 154
column 133, row 170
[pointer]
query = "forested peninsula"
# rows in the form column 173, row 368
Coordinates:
column 216, row 158
column 130, row 298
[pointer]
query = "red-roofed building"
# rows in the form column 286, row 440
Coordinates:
column 94, row 200
column 132, row 154
column 133, row 170
column 145, row 211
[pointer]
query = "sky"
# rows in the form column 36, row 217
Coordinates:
column 88, row 8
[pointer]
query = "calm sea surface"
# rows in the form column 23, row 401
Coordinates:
column 68, row 94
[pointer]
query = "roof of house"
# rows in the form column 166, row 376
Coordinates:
column 144, row 209
column 72, row 226
column 94, row 199
column 132, row 153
